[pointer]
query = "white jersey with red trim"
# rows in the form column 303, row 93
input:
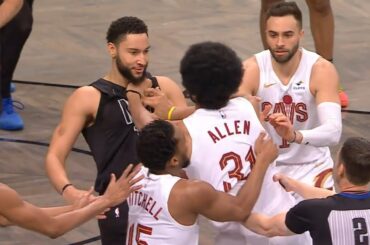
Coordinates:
column 296, row 102
column 222, row 155
column 149, row 219
column 222, row 143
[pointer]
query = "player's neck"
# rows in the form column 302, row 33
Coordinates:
column 171, row 171
column 115, row 76
column 348, row 187
column 175, row 172
column 286, row 70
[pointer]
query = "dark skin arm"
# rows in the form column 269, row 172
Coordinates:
column 198, row 197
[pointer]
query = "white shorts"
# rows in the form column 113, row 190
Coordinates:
column 272, row 200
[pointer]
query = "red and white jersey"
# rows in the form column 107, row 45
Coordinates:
column 222, row 143
column 149, row 219
column 296, row 102
column 222, row 155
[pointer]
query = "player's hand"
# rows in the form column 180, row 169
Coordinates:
column 282, row 125
column 85, row 199
column 118, row 190
column 156, row 99
column 265, row 114
column 265, row 148
column 73, row 195
column 286, row 182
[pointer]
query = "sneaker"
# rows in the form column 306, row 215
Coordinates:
column 343, row 97
column 12, row 88
column 10, row 119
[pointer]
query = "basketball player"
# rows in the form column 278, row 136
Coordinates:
column 166, row 209
column 343, row 218
column 322, row 30
column 100, row 112
column 222, row 132
column 301, row 88
column 56, row 221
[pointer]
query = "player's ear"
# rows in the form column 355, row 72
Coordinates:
column 173, row 162
column 112, row 49
column 341, row 170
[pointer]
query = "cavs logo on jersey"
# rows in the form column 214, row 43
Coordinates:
column 293, row 110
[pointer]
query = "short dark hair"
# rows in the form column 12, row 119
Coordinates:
column 282, row 9
column 355, row 156
column 118, row 29
column 156, row 145
column 211, row 72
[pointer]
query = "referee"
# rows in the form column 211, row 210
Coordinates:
column 342, row 218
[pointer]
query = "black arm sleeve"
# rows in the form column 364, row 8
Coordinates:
column 299, row 218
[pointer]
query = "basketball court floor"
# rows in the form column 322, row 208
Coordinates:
column 67, row 48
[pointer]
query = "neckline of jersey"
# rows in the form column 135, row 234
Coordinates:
column 358, row 195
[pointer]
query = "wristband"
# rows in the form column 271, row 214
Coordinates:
column 65, row 187
column 133, row 91
column 170, row 112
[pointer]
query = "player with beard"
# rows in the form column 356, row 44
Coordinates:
column 166, row 209
column 301, row 88
column 100, row 111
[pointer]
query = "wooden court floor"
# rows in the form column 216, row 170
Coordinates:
column 67, row 46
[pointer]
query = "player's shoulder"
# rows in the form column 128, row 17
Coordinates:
column 164, row 81
column 250, row 63
column 84, row 99
column 85, row 93
column 196, row 189
column 322, row 65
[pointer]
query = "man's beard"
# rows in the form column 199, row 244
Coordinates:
column 286, row 58
column 126, row 73
column 185, row 163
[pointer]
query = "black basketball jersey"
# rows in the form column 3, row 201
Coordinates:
column 339, row 219
column 112, row 138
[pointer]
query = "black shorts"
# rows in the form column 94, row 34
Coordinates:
column 113, row 229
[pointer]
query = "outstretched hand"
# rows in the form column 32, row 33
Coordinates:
column 118, row 190
column 85, row 199
column 286, row 182
column 157, row 99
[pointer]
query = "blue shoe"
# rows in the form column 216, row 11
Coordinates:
column 10, row 119
column 12, row 88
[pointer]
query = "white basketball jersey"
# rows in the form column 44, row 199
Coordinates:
column 222, row 155
column 149, row 219
column 296, row 102
column 222, row 143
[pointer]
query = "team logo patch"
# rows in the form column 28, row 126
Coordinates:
column 299, row 86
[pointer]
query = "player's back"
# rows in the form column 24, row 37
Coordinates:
column 150, row 221
column 222, row 143
column 222, row 155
